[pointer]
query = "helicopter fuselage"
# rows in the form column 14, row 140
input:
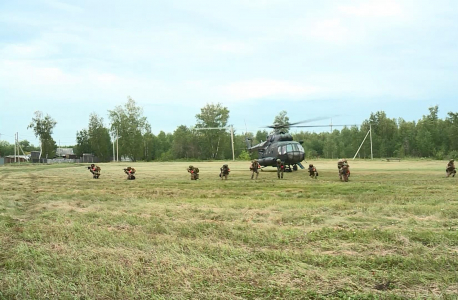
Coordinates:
column 279, row 146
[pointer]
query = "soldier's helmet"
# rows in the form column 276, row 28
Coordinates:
column 278, row 160
column 311, row 165
column 344, row 160
column 255, row 160
column 190, row 167
column 92, row 165
column 452, row 160
column 129, row 168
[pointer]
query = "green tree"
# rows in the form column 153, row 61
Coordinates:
column 83, row 144
column 281, row 120
column 182, row 142
column 129, row 123
column 99, row 138
column 261, row 136
column 42, row 127
column 212, row 116
column 6, row 148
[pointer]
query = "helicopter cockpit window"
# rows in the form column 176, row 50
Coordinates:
column 281, row 150
column 295, row 148
column 301, row 149
column 289, row 148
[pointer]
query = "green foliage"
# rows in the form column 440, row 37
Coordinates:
column 130, row 125
column 213, row 116
column 42, row 127
column 429, row 137
column 83, row 144
column 281, row 119
column 6, row 148
column 453, row 155
column 244, row 155
column 99, row 138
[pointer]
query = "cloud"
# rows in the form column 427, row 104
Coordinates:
column 265, row 88
column 331, row 30
column 63, row 6
column 234, row 47
column 374, row 8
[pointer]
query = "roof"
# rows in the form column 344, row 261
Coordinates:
column 64, row 151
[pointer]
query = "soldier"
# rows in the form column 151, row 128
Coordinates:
column 451, row 168
column 95, row 170
column 130, row 173
column 344, row 172
column 340, row 163
column 194, row 172
column 312, row 171
column 224, row 172
column 254, row 168
column 280, row 168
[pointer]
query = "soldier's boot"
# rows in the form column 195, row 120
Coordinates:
column 282, row 175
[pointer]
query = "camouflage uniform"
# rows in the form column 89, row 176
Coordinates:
column 194, row 172
column 254, row 168
column 95, row 170
column 224, row 172
column 130, row 173
column 312, row 171
column 339, row 164
column 344, row 172
column 451, row 168
column 280, row 168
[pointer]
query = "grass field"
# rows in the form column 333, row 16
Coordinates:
column 391, row 232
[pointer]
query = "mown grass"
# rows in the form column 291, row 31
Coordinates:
column 391, row 232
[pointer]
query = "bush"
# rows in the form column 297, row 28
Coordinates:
column 244, row 155
column 453, row 154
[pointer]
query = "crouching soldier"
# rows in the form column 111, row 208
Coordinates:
column 254, row 168
column 280, row 168
column 451, row 168
column 224, row 172
column 194, row 172
column 312, row 171
column 95, row 170
column 130, row 173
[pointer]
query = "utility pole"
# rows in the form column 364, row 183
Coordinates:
column 117, row 146
column 232, row 142
column 113, row 149
column 15, row 145
column 370, row 130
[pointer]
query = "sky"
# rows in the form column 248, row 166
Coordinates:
column 312, row 59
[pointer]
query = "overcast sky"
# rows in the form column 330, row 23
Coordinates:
column 257, row 57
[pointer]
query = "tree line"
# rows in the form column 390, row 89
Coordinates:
column 130, row 131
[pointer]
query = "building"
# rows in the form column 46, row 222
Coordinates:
column 65, row 152
column 19, row 158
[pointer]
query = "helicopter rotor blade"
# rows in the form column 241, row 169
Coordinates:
column 348, row 125
column 278, row 126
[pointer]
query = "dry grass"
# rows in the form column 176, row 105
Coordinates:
column 390, row 232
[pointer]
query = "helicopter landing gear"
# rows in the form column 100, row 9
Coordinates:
column 294, row 167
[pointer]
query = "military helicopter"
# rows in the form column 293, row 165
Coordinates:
column 282, row 146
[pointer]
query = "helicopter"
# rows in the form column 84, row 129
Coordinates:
column 282, row 146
